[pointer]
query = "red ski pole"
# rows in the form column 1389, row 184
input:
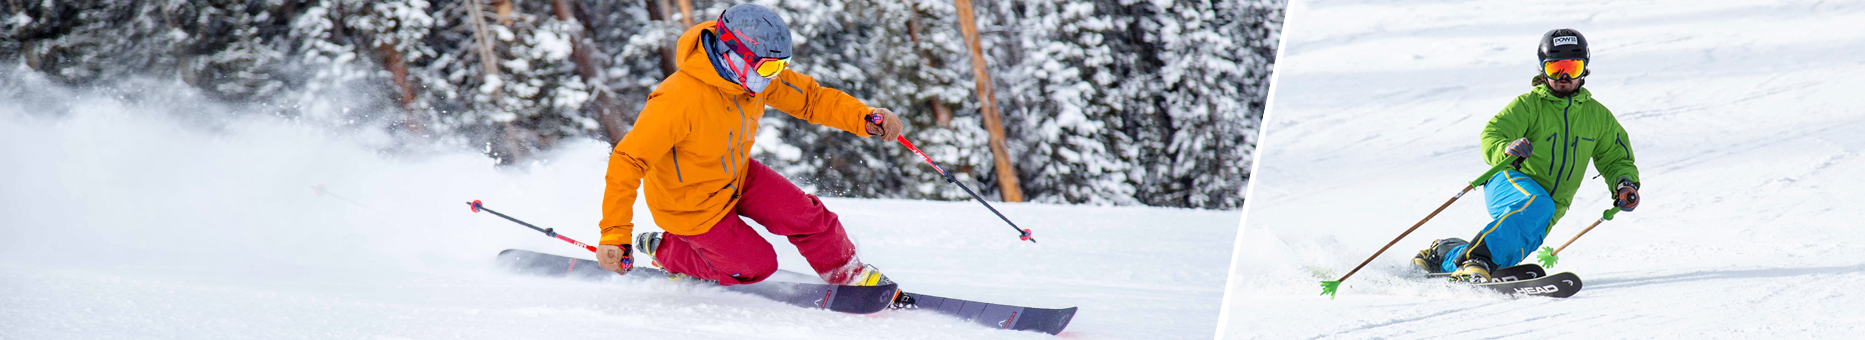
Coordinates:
column 1024, row 234
column 547, row 231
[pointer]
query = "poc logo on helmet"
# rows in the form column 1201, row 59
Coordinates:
column 1567, row 40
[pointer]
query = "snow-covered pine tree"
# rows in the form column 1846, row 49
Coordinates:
column 395, row 32
column 224, row 47
column 505, row 77
column 22, row 22
column 230, row 50
column 629, row 44
column 334, row 49
column 1215, row 58
column 1121, row 101
column 544, row 90
column 452, row 76
column 93, row 41
column 1065, row 123
column 960, row 144
column 236, row 49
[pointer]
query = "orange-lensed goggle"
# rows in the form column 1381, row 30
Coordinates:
column 769, row 67
column 764, row 66
column 1564, row 69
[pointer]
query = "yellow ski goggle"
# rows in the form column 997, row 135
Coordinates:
column 1564, row 69
column 769, row 67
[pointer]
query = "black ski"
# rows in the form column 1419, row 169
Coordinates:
column 1527, row 279
column 1557, row 285
column 846, row 299
column 1046, row 320
column 1519, row 272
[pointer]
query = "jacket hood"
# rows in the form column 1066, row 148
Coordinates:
column 695, row 61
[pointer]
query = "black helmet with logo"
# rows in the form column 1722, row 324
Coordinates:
column 1564, row 43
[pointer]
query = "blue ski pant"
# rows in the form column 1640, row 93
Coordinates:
column 1521, row 210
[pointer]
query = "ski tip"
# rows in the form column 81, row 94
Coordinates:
column 474, row 204
column 1329, row 288
column 1063, row 317
column 514, row 252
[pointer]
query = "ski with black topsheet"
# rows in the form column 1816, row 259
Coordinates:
column 846, row 299
column 1558, row 285
column 1527, row 279
column 1046, row 320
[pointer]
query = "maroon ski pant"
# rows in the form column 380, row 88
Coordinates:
column 732, row 253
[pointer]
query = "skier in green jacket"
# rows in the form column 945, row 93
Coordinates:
column 1556, row 129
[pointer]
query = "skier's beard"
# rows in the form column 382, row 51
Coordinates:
column 1578, row 84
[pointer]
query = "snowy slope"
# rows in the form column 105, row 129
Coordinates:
column 1744, row 115
column 150, row 218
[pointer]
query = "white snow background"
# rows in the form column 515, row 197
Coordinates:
column 160, row 217
column 1744, row 116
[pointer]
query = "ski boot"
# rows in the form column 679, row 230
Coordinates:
column 646, row 243
column 856, row 274
column 649, row 242
column 1432, row 259
column 1472, row 270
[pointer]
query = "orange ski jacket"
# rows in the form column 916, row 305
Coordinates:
column 691, row 142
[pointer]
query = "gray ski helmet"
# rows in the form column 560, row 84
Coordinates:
column 756, row 28
column 1563, row 43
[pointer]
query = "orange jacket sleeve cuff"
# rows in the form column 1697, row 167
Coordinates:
column 616, row 235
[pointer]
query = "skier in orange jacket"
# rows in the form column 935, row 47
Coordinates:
column 691, row 146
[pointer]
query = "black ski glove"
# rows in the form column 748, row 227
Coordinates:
column 1625, row 196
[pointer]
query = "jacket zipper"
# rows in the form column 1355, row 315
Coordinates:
column 1566, row 145
column 734, row 147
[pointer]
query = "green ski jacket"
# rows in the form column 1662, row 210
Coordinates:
column 1566, row 133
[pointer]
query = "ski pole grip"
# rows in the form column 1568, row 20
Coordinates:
column 1609, row 213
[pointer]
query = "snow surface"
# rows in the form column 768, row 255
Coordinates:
column 1744, row 116
column 132, row 218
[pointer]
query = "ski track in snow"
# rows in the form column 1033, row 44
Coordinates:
column 1743, row 115
column 130, row 218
